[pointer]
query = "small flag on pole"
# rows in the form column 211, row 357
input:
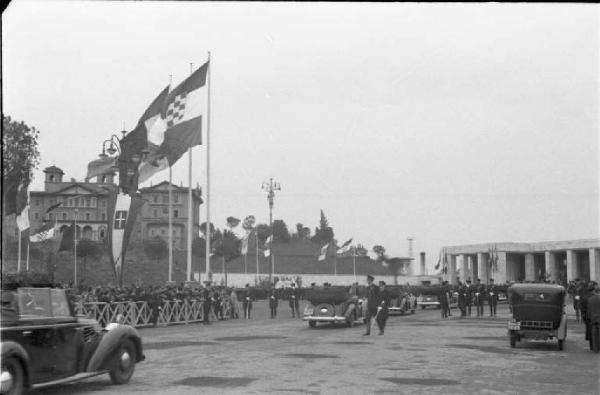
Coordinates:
column 345, row 247
column 23, row 219
column 267, row 251
column 437, row 266
column 323, row 254
column 245, row 243
column 46, row 232
column 100, row 166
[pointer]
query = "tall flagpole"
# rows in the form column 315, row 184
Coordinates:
column 256, row 243
column 19, row 254
column 170, row 211
column 75, row 249
column 208, row 273
column 354, row 262
column 27, row 264
column 190, row 214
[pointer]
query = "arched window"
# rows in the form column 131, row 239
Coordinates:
column 102, row 233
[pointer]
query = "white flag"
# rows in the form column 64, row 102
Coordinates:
column 323, row 252
column 23, row 219
column 245, row 244
column 345, row 247
column 267, row 251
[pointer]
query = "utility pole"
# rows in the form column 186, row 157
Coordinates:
column 270, row 187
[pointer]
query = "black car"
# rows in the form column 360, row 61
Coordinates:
column 44, row 343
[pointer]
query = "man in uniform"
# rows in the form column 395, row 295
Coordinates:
column 247, row 303
column 294, row 301
column 372, row 303
column 444, row 300
column 492, row 294
column 383, row 309
column 592, row 312
column 479, row 297
column 469, row 297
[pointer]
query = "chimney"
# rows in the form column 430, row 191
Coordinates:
column 422, row 262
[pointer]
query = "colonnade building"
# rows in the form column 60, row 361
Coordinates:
column 552, row 261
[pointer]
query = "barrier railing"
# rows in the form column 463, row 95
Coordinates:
column 139, row 314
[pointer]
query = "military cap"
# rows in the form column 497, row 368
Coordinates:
column 369, row 277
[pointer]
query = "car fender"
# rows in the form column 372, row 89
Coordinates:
column 110, row 342
column 350, row 310
column 561, row 332
column 13, row 349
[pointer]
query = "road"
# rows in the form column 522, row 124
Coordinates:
column 419, row 354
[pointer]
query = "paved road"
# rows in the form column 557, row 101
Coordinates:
column 418, row 354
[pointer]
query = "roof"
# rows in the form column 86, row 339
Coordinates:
column 163, row 187
column 53, row 169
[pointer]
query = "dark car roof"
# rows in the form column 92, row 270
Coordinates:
column 536, row 287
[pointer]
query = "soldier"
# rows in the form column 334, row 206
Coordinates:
column 492, row 294
column 479, row 297
column 372, row 303
column 469, row 297
column 592, row 313
column 273, row 303
column 206, row 304
column 294, row 301
column 462, row 297
column 383, row 309
column 247, row 303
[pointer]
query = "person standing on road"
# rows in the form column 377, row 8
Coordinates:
column 273, row 303
column 443, row 301
column 479, row 296
column 235, row 307
column 469, row 297
column 247, row 303
column 383, row 309
column 372, row 303
column 462, row 297
column 492, row 294
column 294, row 301
column 206, row 304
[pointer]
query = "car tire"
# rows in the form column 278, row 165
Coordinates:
column 312, row 324
column 561, row 344
column 124, row 364
column 513, row 340
column 15, row 369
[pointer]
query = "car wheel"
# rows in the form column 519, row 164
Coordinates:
column 312, row 324
column 561, row 344
column 12, row 377
column 513, row 340
column 124, row 364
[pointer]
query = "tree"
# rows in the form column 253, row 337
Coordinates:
column 380, row 252
column 20, row 155
column 232, row 222
column 280, row 231
column 248, row 223
column 324, row 233
column 156, row 248
column 263, row 231
column 87, row 248
column 302, row 232
column 203, row 229
column 394, row 265
column 227, row 245
column 360, row 250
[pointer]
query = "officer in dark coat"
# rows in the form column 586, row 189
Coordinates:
column 444, row 300
column 372, row 303
column 583, row 305
column 206, row 305
column 470, row 292
column 492, row 294
column 295, row 301
column 462, row 297
column 479, row 297
column 247, row 302
column 383, row 309
column 273, row 303
column 592, row 313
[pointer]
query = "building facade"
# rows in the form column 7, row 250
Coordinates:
column 87, row 203
column 553, row 261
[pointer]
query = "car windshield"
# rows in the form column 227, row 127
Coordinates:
column 34, row 302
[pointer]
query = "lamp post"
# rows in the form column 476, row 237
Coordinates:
column 270, row 187
column 76, row 213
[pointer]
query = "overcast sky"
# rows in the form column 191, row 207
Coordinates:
column 449, row 123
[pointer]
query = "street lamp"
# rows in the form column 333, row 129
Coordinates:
column 113, row 146
column 270, row 187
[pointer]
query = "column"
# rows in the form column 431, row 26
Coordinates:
column 464, row 268
column 595, row 264
column 550, row 262
column 474, row 267
column 451, row 259
column 482, row 267
column 529, row 267
column 572, row 268
column 499, row 275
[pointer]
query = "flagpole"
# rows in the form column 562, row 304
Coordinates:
column 256, row 242
column 190, row 214
column 354, row 262
column 19, row 254
column 75, row 249
column 27, row 264
column 170, row 225
column 335, row 263
column 208, row 274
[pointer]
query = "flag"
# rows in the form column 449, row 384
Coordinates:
column 323, row 253
column 23, row 219
column 124, row 210
column 46, row 232
column 15, row 197
column 345, row 247
column 182, row 113
column 145, row 138
column 245, row 243
column 437, row 266
column 267, row 251
column 100, row 166
column 68, row 236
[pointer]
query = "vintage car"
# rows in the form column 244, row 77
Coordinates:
column 537, row 312
column 428, row 300
column 401, row 302
column 43, row 343
column 333, row 305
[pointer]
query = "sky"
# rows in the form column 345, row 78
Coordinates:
column 446, row 123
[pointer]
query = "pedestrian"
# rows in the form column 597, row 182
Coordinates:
column 235, row 307
column 206, row 305
column 383, row 309
column 372, row 303
column 273, row 303
column 578, row 290
column 443, row 301
column 294, row 301
column 247, row 303
column 217, row 308
column 593, row 315
column 479, row 297
column 492, row 294
column 462, row 297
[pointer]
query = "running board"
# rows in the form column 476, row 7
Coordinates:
column 70, row 379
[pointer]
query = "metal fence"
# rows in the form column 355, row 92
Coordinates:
column 139, row 314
